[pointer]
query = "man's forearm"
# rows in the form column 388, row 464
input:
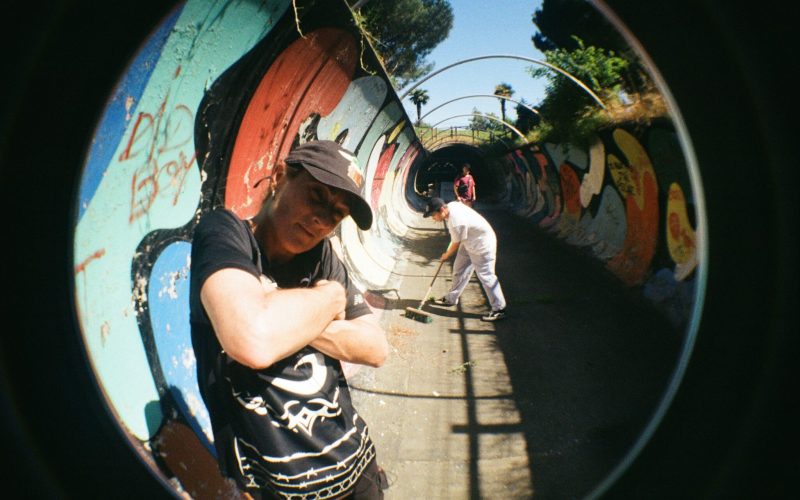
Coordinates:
column 452, row 248
column 359, row 340
column 258, row 325
column 300, row 312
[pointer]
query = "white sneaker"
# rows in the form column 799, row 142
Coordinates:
column 494, row 315
column 442, row 302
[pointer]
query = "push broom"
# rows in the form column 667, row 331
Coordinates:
column 417, row 314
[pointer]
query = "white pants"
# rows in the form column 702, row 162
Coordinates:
column 483, row 264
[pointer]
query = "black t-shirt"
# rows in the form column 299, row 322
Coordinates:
column 289, row 429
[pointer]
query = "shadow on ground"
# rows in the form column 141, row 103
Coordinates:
column 545, row 402
column 588, row 359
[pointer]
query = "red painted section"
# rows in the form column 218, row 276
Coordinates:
column 406, row 161
column 554, row 200
column 375, row 300
column 408, row 157
column 633, row 262
column 184, row 456
column 571, row 190
column 380, row 174
column 310, row 76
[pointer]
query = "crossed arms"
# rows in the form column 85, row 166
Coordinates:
column 258, row 324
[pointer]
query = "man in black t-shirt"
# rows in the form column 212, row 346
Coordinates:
column 273, row 314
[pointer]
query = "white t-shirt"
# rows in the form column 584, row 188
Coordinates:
column 470, row 229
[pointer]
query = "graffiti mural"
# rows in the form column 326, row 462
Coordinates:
column 214, row 99
column 140, row 194
column 626, row 199
column 218, row 94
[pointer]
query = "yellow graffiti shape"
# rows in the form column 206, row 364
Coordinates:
column 681, row 239
column 639, row 165
column 396, row 131
column 592, row 182
column 636, row 181
column 622, row 176
column 535, row 198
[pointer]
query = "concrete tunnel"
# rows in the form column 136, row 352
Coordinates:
column 614, row 235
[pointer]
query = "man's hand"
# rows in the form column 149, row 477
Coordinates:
column 360, row 341
column 327, row 286
column 452, row 248
column 258, row 323
column 337, row 294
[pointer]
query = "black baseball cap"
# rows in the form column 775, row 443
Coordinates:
column 434, row 206
column 331, row 164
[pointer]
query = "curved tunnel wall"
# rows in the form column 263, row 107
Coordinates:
column 732, row 411
column 219, row 92
column 627, row 200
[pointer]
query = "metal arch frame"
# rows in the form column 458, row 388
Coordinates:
column 457, row 139
column 438, row 140
column 465, row 133
column 534, row 110
column 434, row 134
column 509, row 56
column 520, row 134
column 444, row 142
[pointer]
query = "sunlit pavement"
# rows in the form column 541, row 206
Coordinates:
column 546, row 401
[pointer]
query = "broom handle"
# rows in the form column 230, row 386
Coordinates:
column 432, row 282
column 441, row 262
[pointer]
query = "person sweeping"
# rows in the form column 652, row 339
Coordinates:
column 474, row 243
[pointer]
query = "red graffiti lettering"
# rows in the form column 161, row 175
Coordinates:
column 161, row 152
column 82, row 266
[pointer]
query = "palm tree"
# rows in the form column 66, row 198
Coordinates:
column 419, row 97
column 503, row 90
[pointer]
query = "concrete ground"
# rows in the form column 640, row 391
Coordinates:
column 542, row 404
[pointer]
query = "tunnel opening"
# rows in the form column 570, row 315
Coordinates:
column 442, row 165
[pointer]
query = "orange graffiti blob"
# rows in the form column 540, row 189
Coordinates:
column 636, row 181
column 310, row 76
column 570, row 188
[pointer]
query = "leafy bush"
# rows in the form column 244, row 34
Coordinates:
column 570, row 113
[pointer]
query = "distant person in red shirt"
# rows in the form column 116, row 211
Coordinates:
column 464, row 186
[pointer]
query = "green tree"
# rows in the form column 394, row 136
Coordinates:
column 600, row 69
column 560, row 23
column 404, row 32
column 559, row 20
column 503, row 90
column 570, row 111
column 526, row 119
column 479, row 122
column 420, row 98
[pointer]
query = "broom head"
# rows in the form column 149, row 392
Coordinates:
column 418, row 315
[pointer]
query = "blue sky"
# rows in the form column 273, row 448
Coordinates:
column 480, row 28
